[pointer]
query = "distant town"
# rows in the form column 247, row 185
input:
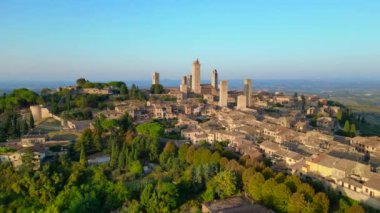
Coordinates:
column 307, row 136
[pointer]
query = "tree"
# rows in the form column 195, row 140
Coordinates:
column 268, row 192
column 321, row 202
column 123, row 90
column 170, row 148
column 281, row 197
column 346, row 127
column 81, row 82
column 190, row 154
column 225, row 184
column 135, row 168
column 280, row 177
column 114, row 152
column 209, row 194
column 339, row 115
column 293, row 182
column 353, row 130
column 307, row 190
column 268, row 173
column 154, row 130
column 146, row 194
column 24, row 128
column 97, row 142
column 297, row 203
column 157, row 89
column 31, row 121
column 168, row 153
column 167, row 195
column 256, row 183
column 82, row 158
column 355, row 209
column 182, row 152
column 215, row 157
column 27, row 159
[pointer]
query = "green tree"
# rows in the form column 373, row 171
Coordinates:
column 346, row 127
column 182, row 152
column 167, row 195
column 146, row 194
column 297, row 203
column 353, row 130
column 157, row 89
column 114, row 152
column 215, row 157
column 24, row 128
column 256, row 183
column 31, row 121
column 268, row 192
column 123, row 90
column 339, row 115
column 168, row 153
column 135, row 168
column 225, row 184
column 355, row 209
column 81, row 82
column 293, row 182
column 154, row 130
column 190, row 154
column 27, row 159
column 82, row 157
column 321, row 202
column 307, row 190
column 281, row 197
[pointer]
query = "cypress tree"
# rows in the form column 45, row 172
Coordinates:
column 31, row 121
column 346, row 128
column 353, row 130
column 82, row 158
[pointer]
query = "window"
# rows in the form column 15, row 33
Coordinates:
column 372, row 194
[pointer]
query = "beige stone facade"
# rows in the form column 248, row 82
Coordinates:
column 155, row 78
column 241, row 102
column 214, row 79
column 196, row 77
column 223, row 93
column 248, row 91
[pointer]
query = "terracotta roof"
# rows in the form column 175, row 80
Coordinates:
column 235, row 205
column 373, row 182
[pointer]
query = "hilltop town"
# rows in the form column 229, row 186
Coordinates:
column 307, row 136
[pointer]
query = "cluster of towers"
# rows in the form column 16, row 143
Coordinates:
column 192, row 83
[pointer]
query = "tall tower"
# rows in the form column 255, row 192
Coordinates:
column 223, row 93
column 189, row 81
column 248, row 91
column 196, row 77
column 214, row 79
column 156, row 78
column 184, row 80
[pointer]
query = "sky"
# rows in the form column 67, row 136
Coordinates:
column 105, row 40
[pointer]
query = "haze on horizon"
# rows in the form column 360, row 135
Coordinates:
column 128, row 40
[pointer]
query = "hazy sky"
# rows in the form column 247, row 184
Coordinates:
column 120, row 40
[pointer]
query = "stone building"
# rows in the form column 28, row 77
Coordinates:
column 248, row 91
column 189, row 81
column 184, row 80
column 155, row 78
column 223, row 93
column 214, row 79
column 196, row 77
column 241, row 102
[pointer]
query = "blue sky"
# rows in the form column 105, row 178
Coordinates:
column 121, row 40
